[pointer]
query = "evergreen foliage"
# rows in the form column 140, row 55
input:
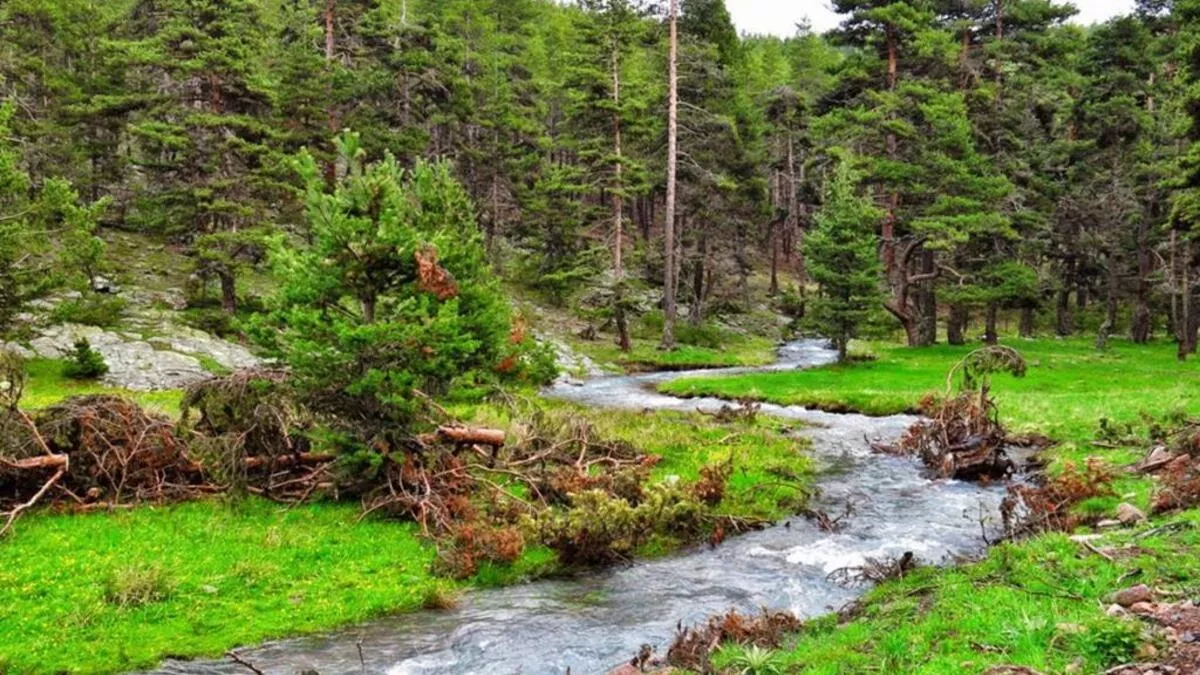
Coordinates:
column 84, row 362
column 393, row 298
column 842, row 258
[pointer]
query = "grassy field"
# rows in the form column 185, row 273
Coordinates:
column 48, row 385
column 1068, row 389
column 645, row 354
column 115, row 591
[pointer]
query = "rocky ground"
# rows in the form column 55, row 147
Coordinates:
column 151, row 350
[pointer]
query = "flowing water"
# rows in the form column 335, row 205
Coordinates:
column 594, row 622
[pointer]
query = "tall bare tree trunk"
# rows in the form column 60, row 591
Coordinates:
column 1173, row 284
column 1187, row 345
column 696, row 315
column 618, row 215
column 1065, row 319
column 1110, row 304
column 793, row 209
column 331, row 116
column 671, row 274
column 1025, row 328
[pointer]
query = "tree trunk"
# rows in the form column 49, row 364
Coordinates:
column 696, row 316
column 228, row 291
column 1110, row 306
column 889, row 222
column 1064, row 319
column 793, row 209
column 330, row 105
column 368, row 308
column 1188, row 320
column 956, row 324
column 1173, row 284
column 670, row 275
column 990, row 334
column 927, row 300
column 1140, row 328
column 1026, row 326
column 773, row 238
column 618, row 215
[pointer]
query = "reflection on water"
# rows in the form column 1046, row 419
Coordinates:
column 594, row 622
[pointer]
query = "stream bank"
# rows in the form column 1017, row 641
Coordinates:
column 591, row 623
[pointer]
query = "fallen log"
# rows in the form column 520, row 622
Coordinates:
column 471, row 435
column 288, row 460
column 31, row 463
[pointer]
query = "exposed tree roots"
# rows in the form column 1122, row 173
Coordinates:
column 961, row 438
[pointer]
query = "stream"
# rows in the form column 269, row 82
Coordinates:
column 594, row 622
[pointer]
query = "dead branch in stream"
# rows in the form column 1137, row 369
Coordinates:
column 875, row 570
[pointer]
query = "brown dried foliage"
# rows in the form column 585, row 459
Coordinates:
column 693, row 647
column 1031, row 509
column 1178, row 487
column 710, row 489
column 116, row 453
column 432, row 277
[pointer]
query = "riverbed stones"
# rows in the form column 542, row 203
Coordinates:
column 1128, row 597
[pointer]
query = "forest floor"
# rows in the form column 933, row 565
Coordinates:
column 1040, row 602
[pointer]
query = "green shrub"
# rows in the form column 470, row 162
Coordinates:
column 1111, row 642
column 91, row 309
column 707, row 335
column 85, row 363
column 211, row 320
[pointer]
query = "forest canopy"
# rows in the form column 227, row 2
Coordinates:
column 1021, row 165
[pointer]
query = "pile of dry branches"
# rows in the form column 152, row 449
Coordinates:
column 693, row 647
column 1032, row 509
column 477, row 496
column 92, row 452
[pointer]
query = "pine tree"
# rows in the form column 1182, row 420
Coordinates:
column 202, row 127
column 394, row 295
column 842, row 259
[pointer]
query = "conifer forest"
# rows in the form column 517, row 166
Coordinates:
column 599, row 336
